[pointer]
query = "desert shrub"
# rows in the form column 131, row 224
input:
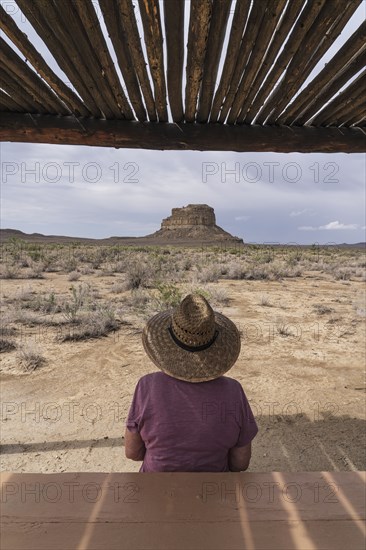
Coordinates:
column 169, row 295
column 264, row 301
column 264, row 258
column 209, row 274
column 138, row 299
column 6, row 345
column 342, row 274
column 118, row 267
column 36, row 271
column 93, row 324
column 282, row 328
column 9, row 271
column 25, row 294
column 74, row 276
column 118, row 287
column 24, row 262
column 138, row 274
column 187, row 264
column 217, row 296
column 236, row 270
column 322, row 309
column 46, row 303
column 80, row 297
column 30, row 357
column 87, row 270
column 5, row 328
column 258, row 273
column 69, row 264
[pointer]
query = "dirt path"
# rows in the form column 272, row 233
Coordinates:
column 302, row 371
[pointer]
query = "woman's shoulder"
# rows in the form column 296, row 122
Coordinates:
column 153, row 378
column 229, row 383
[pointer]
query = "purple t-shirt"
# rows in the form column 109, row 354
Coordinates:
column 190, row 427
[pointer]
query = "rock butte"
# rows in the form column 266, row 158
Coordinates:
column 195, row 222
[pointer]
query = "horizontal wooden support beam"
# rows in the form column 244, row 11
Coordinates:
column 70, row 130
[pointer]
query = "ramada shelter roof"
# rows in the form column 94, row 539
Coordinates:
column 240, row 82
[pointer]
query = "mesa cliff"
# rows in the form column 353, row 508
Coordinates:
column 194, row 222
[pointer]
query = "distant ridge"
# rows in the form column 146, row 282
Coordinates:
column 7, row 234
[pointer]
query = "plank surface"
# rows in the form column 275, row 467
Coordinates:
column 176, row 511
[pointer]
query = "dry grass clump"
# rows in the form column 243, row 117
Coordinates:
column 9, row 271
column 92, row 324
column 6, row 345
column 208, row 274
column 81, row 297
column 217, row 296
column 342, row 274
column 139, row 274
column 283, row 328
column 45, row 302
column 264, row 301
column 87, row 270
column 74, row 276
column 322, row 309
column 169, row 295
column 35, row 271
column 118, row 287
column 30, row 357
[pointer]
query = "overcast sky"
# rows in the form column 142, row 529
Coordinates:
column 102, row 192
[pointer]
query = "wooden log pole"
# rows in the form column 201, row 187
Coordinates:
column 170, row 136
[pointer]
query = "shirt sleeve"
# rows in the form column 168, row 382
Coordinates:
column 248, row 428
column 135, row 413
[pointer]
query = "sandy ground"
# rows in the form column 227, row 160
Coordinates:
column 306, row 388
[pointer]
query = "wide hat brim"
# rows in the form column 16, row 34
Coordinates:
column 192, row 366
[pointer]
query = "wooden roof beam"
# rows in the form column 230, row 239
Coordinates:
column 286, row 22
column 302, row 53
column 311, row 51
column 343, row 100
column 219, row 19
column 195, row 137
column 150, row 15
column 199, row 25
column 116, row 33
column 349, row 112
column 293, row 43
column 249, row 38
column 55, row 45
column 332, row 89
column 264, row 36
column 236, row 33
column 18, row 95
column 132, row 38
column 30, row 81
column 347, row 61
column 8, row 103
column 174, row 33
column 19, row 38
column 78, row 47
column 358, row 119
column 90, row 22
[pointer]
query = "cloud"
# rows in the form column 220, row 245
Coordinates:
column 330, row 226
column 295, row 213
column 242, row 218
column 337, row 225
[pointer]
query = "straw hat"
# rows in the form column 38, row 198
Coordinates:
column 192, row 342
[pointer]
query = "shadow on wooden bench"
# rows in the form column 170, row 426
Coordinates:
column 183, row 511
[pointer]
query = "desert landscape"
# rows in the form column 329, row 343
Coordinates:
column 71, row 354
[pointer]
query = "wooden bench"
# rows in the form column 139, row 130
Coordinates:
column 183, row 511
